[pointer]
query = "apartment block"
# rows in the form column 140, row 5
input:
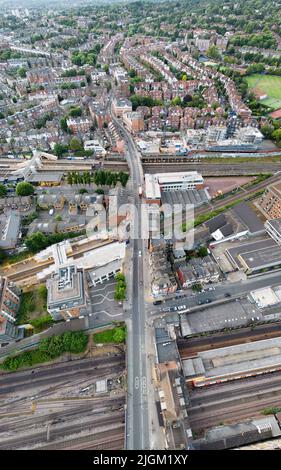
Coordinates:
column 67, row 293
column 270, row 201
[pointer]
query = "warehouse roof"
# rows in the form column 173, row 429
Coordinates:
column 216, row 222
column 239, row 359
column 263, row 258
column 248, row 217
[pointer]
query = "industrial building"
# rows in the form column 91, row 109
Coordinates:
column 235, row 435
column 233, row 362
column 273, row 228
column 255, row 256
column 156, row 184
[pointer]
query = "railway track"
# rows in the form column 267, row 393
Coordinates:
column 39, row 437
column 104, row 406
column 190, row 347
column 201, row 420
column 233, row 402
column 105, row 440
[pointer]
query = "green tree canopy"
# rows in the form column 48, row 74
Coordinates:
column 3, row 190
column 24, row 189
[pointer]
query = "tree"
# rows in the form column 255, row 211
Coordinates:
column 176, row 101
column 63, row 124
column 58, row 218
column 24, row 189
column 213, row 52
column 276, row 135
column 60, row 149
column 3, row 256
column 76, row 111
column 106, row 68
column 75, row 144
column 119, row 335
column 36, row 242
column 3, row 190
column 120, row 277
column 42, row 292
column 21, row 72
column 202, row 251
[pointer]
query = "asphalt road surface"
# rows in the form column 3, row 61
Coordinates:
column 138, row 436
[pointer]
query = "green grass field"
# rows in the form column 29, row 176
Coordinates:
column 271, row 85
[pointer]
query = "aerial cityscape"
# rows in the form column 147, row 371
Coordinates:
column 140, row 225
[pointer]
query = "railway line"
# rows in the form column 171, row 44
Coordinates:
column 234, row 401
column 96, row 409
column 58, row 372
column 190, row 347
column 103, row 441
column 215, row 169
column 53, row 432
column 202, row 419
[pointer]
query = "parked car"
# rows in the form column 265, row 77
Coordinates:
column 227, row 294
column 181, row 307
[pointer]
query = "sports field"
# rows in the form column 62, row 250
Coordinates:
column 271, row 85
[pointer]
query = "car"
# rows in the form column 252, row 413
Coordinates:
column 227, row 294
column 181, row 307
column 157, row 302
column 200, row 302
column 139, row 253
column 166, row 309
column 207, row 301
column 173, row 309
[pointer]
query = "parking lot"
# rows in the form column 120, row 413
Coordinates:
column 104, row 307
column 229, row 315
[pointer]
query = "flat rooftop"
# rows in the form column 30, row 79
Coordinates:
column 265, row 297
column 248, row 247
column 248, row 217
column 66, row 288
column 262, row 258
column 189, row 197
column 276, row 224
column 235, row 360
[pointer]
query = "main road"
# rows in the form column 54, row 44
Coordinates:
column 138, row 421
